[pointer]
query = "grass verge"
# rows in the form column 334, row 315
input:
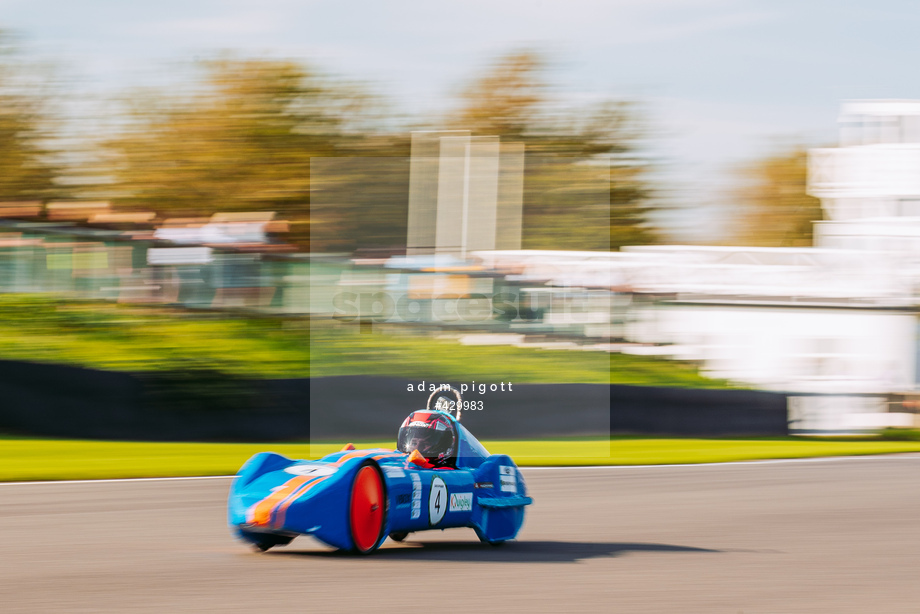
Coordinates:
column 24, row 459
column 42, row 328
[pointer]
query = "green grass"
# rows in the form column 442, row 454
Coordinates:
column 116, row 337
column 48, row 459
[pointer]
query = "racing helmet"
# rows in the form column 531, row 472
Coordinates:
column 432, row 433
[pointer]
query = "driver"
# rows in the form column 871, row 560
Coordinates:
column 432, row 435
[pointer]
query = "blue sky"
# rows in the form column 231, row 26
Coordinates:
column 724, row 80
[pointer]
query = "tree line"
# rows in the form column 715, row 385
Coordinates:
column 263, row 134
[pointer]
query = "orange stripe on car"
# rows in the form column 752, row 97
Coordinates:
column 281, row 509
column 349, row 456
column 276, row 504
column 280, row 505
column 365, row 454
column 262, row 511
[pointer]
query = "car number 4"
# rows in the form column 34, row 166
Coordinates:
column 436, row 500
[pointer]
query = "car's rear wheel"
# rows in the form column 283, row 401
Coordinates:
column 399, row 536
column 367, row 509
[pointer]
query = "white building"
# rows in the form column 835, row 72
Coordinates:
column 837, row 322
column 834, row 325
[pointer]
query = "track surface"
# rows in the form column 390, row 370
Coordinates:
column 840, row 536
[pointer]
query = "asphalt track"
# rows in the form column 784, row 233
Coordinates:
column 823, row 536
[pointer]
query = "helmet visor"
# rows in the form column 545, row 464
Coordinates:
column 428, row 441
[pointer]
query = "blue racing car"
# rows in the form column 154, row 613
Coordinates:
column 439, row 477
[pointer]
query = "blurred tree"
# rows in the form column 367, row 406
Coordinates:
column 26, row 170
column 361, row 202
column 775, row 211
column 505, row 101
column 584, row 184
column 242, row 142
column 262, row 134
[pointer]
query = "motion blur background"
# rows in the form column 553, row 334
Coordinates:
column 308, row 207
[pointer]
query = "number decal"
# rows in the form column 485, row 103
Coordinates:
column 310, row 470
column 438, row 495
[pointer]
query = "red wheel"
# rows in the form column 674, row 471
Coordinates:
column 367, row 509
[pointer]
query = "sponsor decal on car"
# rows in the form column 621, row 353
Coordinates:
column 507, row 479
column 437, row 501
column 461, row 502
column 394, row 472
column 416, row 496
column 483, row 485
column 311, row 470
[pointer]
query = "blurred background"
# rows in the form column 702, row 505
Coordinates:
column 650, row 241
column 208, row 195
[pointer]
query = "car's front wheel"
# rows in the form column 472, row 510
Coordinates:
column 367, row 509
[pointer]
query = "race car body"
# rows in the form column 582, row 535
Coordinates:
column 354, row 499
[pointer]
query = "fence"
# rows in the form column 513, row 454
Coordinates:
column 59, row 401
column 129, row 267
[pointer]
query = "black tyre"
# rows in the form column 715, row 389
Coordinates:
column 265, row 541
